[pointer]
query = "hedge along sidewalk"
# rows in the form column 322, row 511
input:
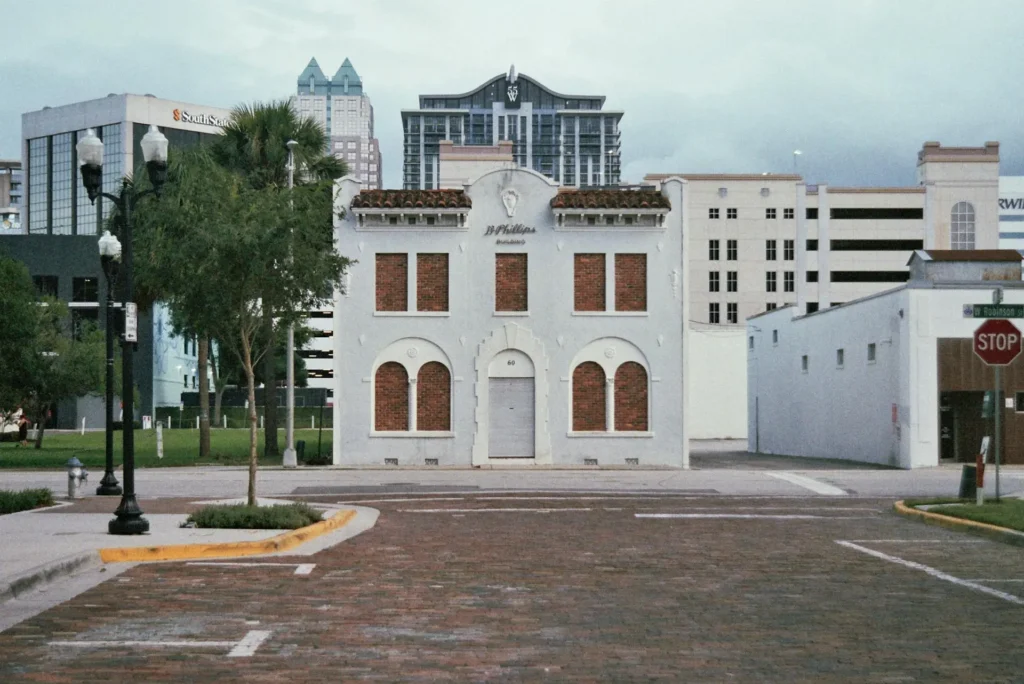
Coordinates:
column 282, row 542
column 981, row 529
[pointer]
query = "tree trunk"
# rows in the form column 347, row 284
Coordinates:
column 270, row 446
column 250, row 378
column 204, row 398
column 218, row 388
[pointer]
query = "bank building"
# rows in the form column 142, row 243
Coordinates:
column 511, row 322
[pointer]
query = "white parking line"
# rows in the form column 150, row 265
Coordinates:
column 239, row 649
column 362, row 501
column 938, row 574
column 750, row 516
column 489, row 510
column 300, row 568
column 808, row 483
column 249, row 643
column 995, row 580
column 918, row 541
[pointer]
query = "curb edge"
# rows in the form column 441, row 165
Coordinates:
column 992, row 532
column 48, row 573
column 282, row 542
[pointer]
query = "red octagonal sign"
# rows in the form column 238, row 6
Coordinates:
column 997, row 342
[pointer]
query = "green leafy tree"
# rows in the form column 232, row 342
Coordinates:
column 213, row 247
column 254, row 144
column 42, row 362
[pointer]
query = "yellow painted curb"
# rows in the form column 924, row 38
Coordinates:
column 282, row 542
column 994, row 532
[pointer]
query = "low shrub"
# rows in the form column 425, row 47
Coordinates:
column 242, row 517
column 24, row 500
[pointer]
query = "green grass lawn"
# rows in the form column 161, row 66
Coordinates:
column 181, row 448
column 1007, row 513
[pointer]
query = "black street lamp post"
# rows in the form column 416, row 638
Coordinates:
column 110, row 257
column 129, row 518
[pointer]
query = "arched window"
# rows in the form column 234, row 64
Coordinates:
column 631, row 398
column 961, row 226
column 434, row 398
column 391, row 398
column 588, row 398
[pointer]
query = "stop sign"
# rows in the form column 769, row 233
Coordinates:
column 997, row 342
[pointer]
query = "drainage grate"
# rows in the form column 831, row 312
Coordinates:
column 590, row 461
column 632, row 461
column 431, row 461
column 390, row 461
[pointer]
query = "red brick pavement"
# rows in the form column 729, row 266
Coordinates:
column 592, row 595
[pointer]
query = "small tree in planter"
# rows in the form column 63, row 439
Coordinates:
column 212, row 245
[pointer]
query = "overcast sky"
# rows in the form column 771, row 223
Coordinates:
column 724, row 86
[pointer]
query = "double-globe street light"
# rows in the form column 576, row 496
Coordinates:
column 129, row 518
column 110, row 258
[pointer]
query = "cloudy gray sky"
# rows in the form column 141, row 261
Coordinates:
column 723, row 86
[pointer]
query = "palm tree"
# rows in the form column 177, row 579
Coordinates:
column 254, row 140
column 254, row 145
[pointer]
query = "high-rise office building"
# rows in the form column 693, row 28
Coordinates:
column 60, row 228
column 568, row 138
column 344, row 110
column 11, row 178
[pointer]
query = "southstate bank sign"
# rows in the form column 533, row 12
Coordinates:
column 184, row 116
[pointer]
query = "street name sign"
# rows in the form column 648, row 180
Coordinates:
column 993, row 310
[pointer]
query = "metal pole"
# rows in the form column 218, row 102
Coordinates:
column 998, row 408
column 108, row 485
column 290, row 460
column 129, row 518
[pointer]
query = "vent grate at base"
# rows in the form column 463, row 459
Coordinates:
column 391, row 461
column 431, row 461
column 590, row 461
column 632, row 461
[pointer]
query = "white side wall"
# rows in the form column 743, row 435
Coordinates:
column 882, row 412
column 717, row 382
column 831, row 412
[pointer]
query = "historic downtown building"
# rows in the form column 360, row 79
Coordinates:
column 511, row 322
column 570, row 139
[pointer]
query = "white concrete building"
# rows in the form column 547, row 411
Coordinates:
column 340, row 105
column 1011, row 212
column 765, row 241
column 511, row 323
column 890, row 378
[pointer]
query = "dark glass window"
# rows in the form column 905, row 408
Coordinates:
column 46, row 285
column 869, row 276
column 875, row 245
column 83, row 320
column 812, row 212
column 812, row 245
column 812, row 276
column 85, row 289
column 875, row 213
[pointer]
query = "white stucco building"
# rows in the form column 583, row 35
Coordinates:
column 890, row 378
column 511, row 323
column 1011, row 212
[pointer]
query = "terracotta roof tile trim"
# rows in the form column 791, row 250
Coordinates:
column 411, row 199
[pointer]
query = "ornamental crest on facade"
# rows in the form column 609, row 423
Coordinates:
column 510, row 198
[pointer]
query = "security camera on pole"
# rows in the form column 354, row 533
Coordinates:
column 290, row 460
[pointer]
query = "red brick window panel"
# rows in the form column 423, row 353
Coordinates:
column 434, row 398
column 392, row 282
column 631, row 398
column 511, row 283
column 588, row 398
column 631, row 282
column 391, row 398
column 431, row 282
column 589, row 282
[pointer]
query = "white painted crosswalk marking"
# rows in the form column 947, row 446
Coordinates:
column 815, row 486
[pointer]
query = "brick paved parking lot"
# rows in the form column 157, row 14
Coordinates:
column 493, row 587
